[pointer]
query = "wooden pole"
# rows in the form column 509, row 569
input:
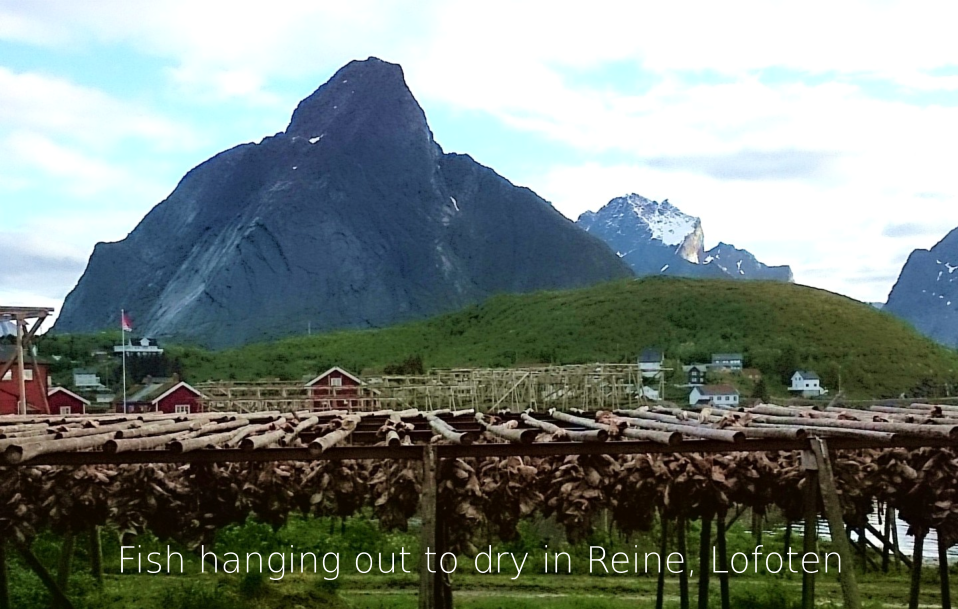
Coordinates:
column 66, row 560
column 788, row 541
column 4, row 585
column 705, row 546
column 722, row 558
column 833, row 513
column 916, row 568
column 427, row 506
column 96, row 555
column 684, row 573
column 757, row 527
column 34, row 563
column 894, row 541
column 863, row 547
column 810, row 537
column 22, row 401
column 943, row 573
column 886, row 540
column 443, row 585
column 663, row 548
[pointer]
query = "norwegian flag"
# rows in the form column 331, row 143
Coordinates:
column 125, row 324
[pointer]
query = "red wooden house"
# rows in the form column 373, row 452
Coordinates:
column 64, row 401
column 35, row 384
column 173, row 397
column 336, row 389
column 179, row 399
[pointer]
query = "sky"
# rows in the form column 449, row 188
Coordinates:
column 823, row 135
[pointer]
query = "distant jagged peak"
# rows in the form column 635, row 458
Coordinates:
column 666, row 222
column 638, row 228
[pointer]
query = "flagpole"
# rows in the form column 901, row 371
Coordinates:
column 123, row 343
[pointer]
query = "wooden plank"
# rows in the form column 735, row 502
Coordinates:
column 836, row 525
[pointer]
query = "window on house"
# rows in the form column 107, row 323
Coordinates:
column 336, row 382
column 66, row 410
column 27, row 374
column 181, row 409
column 8, row 376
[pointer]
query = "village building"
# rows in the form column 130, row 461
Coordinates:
column 336, row 389
column 141, row 346
column 714, row 395
column 808, row 384
column 727, row 361
column 35, row 383
column 695, row 374
column 63, row 401
column 651, row 362
column 86, row 379
column 171, row 397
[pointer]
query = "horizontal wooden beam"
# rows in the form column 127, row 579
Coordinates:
column 414, row 452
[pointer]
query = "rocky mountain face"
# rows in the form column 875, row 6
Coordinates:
column 656, row 238
column 741, row 264
column 351, row 217
column 926, row 293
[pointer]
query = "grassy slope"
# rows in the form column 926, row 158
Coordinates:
column 778, row 326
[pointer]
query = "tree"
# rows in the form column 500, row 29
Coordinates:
column 760, row 391
column 786, row 364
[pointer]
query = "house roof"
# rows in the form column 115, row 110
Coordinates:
column 807, row 374
column 717, row 390
column 650, row 356
column 726, row 356
column 68, row 392
column 84, row 371
column 174, row 388
column 335, row 369
column 144, row 393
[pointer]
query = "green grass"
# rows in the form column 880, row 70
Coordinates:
column 533, row 589
column 779, row 327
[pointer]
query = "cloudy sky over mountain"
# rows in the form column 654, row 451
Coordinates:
column 821, row 135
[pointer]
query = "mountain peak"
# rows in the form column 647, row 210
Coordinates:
column 353, row 217
column 365, row 97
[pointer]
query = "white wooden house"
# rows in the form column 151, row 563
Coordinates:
column 807, row 384
column 714, row 395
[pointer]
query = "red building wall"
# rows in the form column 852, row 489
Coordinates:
column 36, row 389
column 326, row 396
column 61, row 399
column 181, row 396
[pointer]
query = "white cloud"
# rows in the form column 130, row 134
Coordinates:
column 57, row 107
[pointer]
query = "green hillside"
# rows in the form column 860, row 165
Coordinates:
column 779, row 327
